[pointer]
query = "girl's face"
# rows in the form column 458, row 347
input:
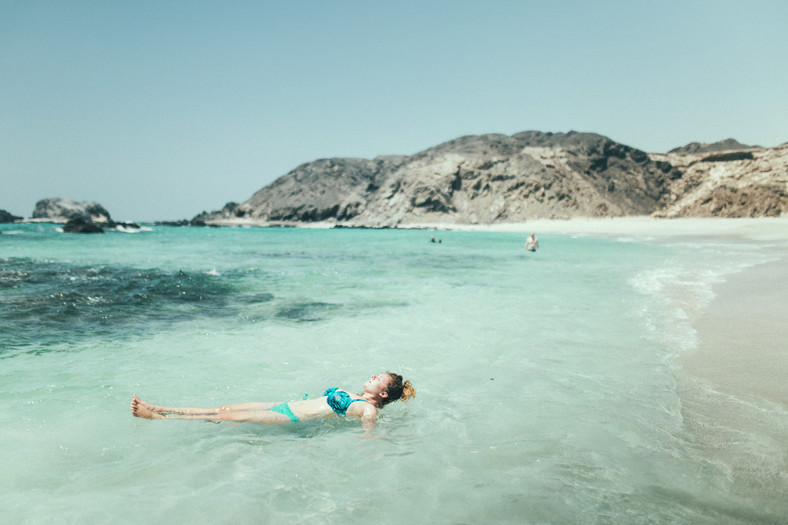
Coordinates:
column 377, row 385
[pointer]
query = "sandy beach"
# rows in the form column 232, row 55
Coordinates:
column 760, row 229
column 743, row 334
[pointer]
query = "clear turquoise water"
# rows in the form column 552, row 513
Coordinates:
column 548, row 390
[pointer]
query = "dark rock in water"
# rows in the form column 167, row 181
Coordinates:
column 7, row 217
column 126, row 225
column 182, row 222
column 185, row 222
column 80, row 225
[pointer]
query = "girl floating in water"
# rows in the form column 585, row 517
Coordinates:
column 378, row 391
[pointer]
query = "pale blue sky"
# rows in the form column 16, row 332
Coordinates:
column 162, row 109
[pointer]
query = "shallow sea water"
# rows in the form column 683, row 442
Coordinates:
column 547, row 384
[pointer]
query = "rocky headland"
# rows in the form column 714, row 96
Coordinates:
column 493, row 179
column 736, row 182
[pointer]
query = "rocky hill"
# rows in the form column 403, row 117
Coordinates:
column 498, row 178
column 748, row 182
column 723, row 145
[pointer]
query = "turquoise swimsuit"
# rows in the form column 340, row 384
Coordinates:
column 284, row 409
column 339, row 400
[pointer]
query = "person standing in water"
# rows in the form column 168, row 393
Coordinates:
column 532, row 243
column 379, row 390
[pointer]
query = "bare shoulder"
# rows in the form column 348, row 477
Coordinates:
column 362, row 410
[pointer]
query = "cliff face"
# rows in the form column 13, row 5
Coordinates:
column 497, row 178
column 751, row 182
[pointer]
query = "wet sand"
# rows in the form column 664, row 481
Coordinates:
column 734, row 384
column 743, row 335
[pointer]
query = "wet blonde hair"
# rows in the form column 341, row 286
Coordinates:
column 398, row 389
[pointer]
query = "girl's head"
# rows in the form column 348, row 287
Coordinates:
column 397, row 389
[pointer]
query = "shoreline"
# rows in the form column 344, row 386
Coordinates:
column 640, row 227
column 741, row 349
column 732, row 384
column 758, row 229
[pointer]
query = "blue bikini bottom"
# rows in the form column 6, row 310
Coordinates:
column 284, row 409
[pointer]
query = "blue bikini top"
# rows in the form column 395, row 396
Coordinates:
column 339, row 400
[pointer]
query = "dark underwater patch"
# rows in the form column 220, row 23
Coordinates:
column 256, row 298
column 51, row 302
column 306, row 311
column 48, row 305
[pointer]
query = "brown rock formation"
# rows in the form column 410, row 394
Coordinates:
column 751, row 183
column 470, row 180
column 497, row 178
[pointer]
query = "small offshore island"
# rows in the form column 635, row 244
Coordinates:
column 76, row 217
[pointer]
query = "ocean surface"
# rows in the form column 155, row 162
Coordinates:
column 548, row 389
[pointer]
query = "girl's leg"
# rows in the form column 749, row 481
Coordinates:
column 193, row 411
column 253, row 415
column 141, row 410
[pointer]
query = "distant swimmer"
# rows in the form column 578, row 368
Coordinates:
column 532, row 244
